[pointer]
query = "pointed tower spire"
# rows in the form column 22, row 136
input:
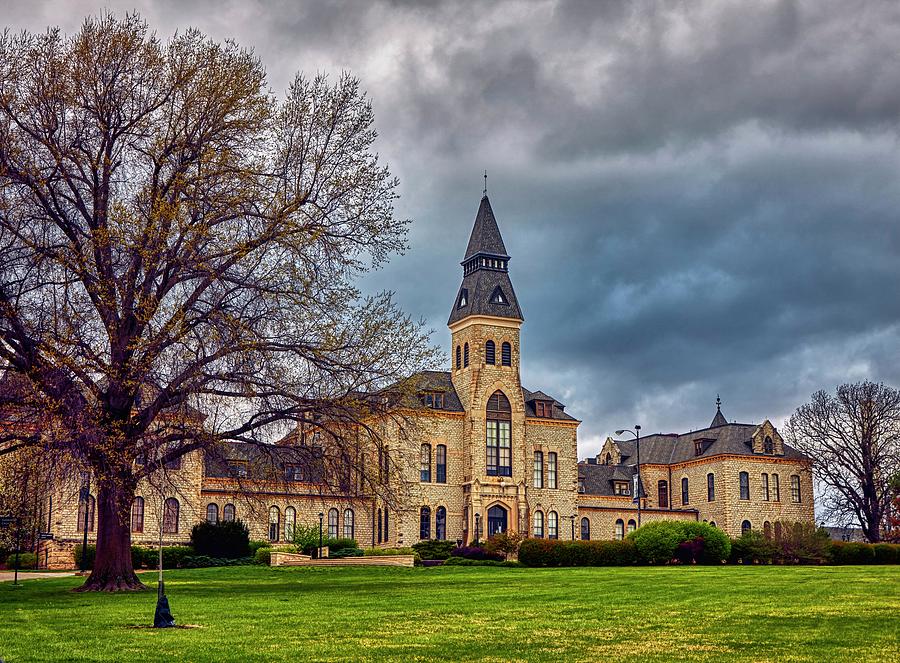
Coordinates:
column 486, row 288
column 719, row 419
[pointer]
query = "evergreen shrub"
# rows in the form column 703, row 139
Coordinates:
column 229, row 539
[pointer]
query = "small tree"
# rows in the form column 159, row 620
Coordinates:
column 853, row 439
column 504, row 543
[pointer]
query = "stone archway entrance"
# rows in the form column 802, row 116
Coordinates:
column 497, row 520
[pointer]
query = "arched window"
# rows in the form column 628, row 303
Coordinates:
column 441, row 463
column 767, row 529
column 538, row 479
column 458, row 357
column 744, row 480
column 290, row 523
column 425, row 523
column 506, row 354
column 274, row 523
column 490, row 353
column 86, row 511
column 768, row 446
column 684, row 491
column 712, row 523
column 333, row 523
column 440, row 524
column 777, row 531
column 171, row 510
column 137, row 515
column 212, row 513
column 795, row 488
column 378, row 521
column 608, row 459
column 538, row 525
column 551, row 470
column 466, row 354
column 662, row 492
column 552, row 525
column 765, row 486
column 498, row 442
column 228, row 513
column 632, row 526
column 349, row 525
column 387, row 531
column 776, row 488
column 620, row 529
column 585, row 529
column 425, row 471
column 745, row 527
column 710, row 487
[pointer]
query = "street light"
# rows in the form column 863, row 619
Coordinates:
column 573, row 526
column 637, row 493
column 321, row 520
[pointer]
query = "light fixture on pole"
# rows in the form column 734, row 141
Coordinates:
column 637, row 488
column 321, row 522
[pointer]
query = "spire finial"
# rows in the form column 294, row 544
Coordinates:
column 484, row 193
column 718, row 403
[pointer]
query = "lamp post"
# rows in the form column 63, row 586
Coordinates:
column 637, row 492
column 573, row 526
column 321, row 521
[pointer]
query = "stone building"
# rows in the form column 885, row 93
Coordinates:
column 475, row 453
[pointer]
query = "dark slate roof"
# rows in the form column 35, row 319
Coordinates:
column 666, row 448
column 485, row 237
column 719, row 419
column 558, row 408
column 437, row 381
column 598, row 479
column 262, row 461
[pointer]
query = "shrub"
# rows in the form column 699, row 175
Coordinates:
column 886, row 553
column 849, row 552
column 141, row 556
column 753, row 548
column 434, row 549
column 475, row 552
column 462, row 561
column 657, row 542
column 91, row 553
column 262, row 556
column 661, row 541
column 803, row 543
column 543, row 552
column 346, row 552
column 334, row 545
column 229, row 539
column 306, row 538
column 713, row 546
column 374, row 552
column 27, row 560
column 504, row 543
column 256, row 545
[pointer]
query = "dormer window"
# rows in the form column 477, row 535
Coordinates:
column 768, row 446
column 434, row 400
column 698, row 447
column 498, row 297
column 463, row 298
column 621, row 488
column 580, row 485
column 543, row 409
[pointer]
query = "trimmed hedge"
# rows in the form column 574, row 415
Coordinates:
column 229, row 539
column 375, row 552
column 262, row 556
column 886, row 553
column 434, row 549
column 664, row 541
column 27, row 560
column 849, row 552
column 546, row 552
column 475, row 552
column 346, row 552
column 462, row 561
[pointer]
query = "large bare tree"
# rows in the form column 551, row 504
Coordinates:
column 853, row 437
column 178, row 250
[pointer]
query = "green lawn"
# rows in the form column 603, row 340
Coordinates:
column 474, row 613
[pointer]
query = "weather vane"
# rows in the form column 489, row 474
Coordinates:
column 485, row 183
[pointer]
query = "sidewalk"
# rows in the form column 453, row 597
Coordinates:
column 30, row 575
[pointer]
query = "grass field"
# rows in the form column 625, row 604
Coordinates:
column 475, row 613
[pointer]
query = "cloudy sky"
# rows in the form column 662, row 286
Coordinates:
column 699, row 198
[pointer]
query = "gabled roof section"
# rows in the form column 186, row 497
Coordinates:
column 719, row 419
column 485, row 237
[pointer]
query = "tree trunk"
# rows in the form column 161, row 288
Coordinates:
column 112, row 570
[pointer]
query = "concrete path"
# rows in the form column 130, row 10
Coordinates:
column 30, row 575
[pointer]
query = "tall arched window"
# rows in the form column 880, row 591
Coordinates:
column 744, row 481
column 552, row 525
column 538, row 525
column 608, row 459
column 745, row 527
column 767, row 529
column 465, row 354
column 585, row 529
column 498, row 442
column 506, row 354
column 710, row 487
column 538, row 479
column 212, row 513
column 777, row 531
column 440, row 524
column 349, row 524
column 425, row 471
column 378, row 522
column 387, row 530
column 776, row 488
column 440, row 462
column 274, row 523
column 631, row 526
column 551, row 470
column 333, row 523
column 685, row 494
column 620, row 529
column 795, row 488
column 490, row 353
column 171, row 510
column 137, row 515
column 86, row 511
column 228, row 513
column 765, row 486
column 425, row 523
column 662, row 490
column 768, row 446
column 458, row 357
column 290, row 523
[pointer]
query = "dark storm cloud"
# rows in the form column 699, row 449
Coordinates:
column 699, row 198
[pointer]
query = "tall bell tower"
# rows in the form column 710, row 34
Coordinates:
column 485, row 323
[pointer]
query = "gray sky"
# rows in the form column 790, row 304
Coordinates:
column 699, row 198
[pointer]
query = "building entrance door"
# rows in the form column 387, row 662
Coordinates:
column 496, row 520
